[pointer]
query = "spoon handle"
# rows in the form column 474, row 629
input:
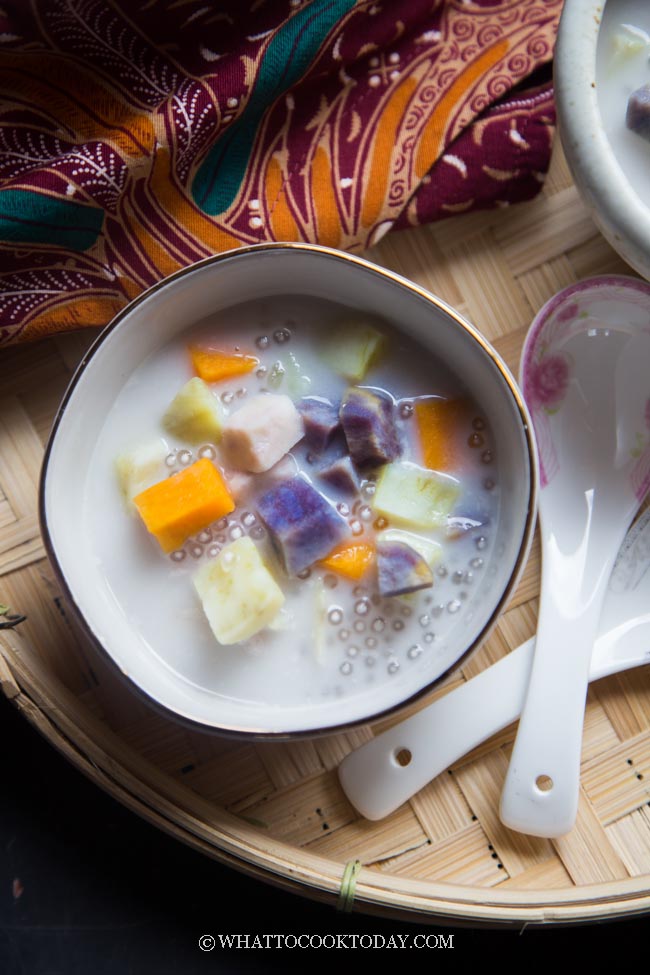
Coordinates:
column 386, row 771
column 376, row 783
column 541, row 790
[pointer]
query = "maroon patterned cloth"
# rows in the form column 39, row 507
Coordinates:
column 138, row 136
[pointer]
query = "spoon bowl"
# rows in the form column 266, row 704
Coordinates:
column 586, row 381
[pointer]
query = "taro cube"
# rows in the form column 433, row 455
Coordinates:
column 242, row 484
column 261, row 432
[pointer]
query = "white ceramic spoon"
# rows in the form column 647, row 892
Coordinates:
column 586, row 379
column 386, row 771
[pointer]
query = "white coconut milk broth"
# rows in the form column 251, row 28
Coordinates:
column 617, row 76
column 337, row 637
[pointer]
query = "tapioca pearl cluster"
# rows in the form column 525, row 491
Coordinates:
column 273, row 374
column 210, row 541
column 392, row 622
column 360, row 515
column 183, row 457
column 363, row 635
column 276, row 375
column 373, row 624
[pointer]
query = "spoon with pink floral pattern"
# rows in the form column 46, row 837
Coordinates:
column 585, row 375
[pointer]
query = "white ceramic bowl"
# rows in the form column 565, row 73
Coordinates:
column 156, row 658
column 603, row 155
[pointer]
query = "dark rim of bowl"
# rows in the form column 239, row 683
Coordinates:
column 248, row 734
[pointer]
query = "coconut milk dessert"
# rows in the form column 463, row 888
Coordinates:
column 315, row 521
column 623, row 67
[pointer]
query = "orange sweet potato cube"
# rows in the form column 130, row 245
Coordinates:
column 213, row 365
column 183, row 504
column 443, row 428
column 351, row 559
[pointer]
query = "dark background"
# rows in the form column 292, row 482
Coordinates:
column 88, row 888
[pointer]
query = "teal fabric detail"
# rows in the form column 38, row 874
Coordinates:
column 30, row 217
column 287, row 58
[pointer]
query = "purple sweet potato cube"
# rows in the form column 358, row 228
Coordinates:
column 637, row 117
column 321, row 421
column 400, row 569
column 303, row 525
column 368, row 419
column 341, row 475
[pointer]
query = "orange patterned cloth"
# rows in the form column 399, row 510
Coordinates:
column 138, row 137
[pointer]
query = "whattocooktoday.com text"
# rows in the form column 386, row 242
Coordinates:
column 426, row 940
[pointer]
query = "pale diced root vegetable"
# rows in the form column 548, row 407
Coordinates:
column 238, row 593
column 241, row 484
column 411, row 495
column 297, row 382
column 193, row 415
column 261, row 432
column 400, row 569
column 354, row 346
column 626, row 44
column 428, row 548
column 139, row 467
column 368, row 420
column 303, row 525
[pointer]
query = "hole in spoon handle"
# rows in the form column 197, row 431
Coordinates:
column 403, row 756
column 540, row 795
column 542, row 807
column 549, row 737
column 387, row 770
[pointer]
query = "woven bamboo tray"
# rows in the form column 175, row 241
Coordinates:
column 275, row 810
